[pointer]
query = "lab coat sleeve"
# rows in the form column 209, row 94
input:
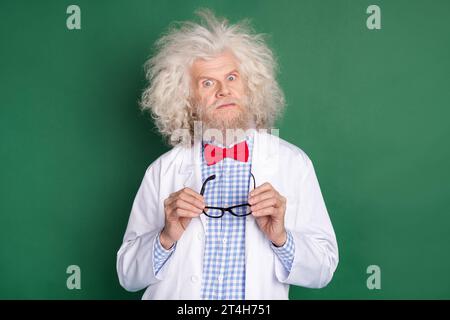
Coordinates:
column 135, row 257
column 316, row 251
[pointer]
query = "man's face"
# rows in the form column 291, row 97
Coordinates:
column 219, row 92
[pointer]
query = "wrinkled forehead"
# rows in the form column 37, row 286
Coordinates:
column 215, row 66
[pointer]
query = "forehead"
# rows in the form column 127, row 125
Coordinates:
column 218, row 65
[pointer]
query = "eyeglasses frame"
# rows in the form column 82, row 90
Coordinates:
column 229, row 209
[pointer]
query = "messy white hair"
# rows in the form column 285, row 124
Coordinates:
column 168, row 95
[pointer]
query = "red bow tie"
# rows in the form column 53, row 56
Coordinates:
column 214, row 154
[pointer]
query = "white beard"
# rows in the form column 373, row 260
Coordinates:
column 233, row 128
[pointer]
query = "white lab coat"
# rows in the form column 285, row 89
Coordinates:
column 288, row 169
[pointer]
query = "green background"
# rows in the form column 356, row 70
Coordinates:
column 370, row 107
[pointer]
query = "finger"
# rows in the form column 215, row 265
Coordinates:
column 170, row 198
column 193, row 193
column 169, row 201
column 182, row 204
column 192, row 200
column 186, row 197
column 266, row 203
column 181, row 213
column 265, row 212
column 262, row 196
column 262, row 188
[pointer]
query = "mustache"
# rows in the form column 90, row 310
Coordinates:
column 202, row 108
column 226, row 101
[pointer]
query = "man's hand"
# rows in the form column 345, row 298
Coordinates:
column 179, row 208
column 269, row 207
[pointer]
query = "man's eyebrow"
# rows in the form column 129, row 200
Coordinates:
column 233, row 71
column 206, row 77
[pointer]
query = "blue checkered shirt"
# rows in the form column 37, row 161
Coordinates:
column 224, row 255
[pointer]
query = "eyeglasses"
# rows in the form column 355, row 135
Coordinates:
column 240, row 210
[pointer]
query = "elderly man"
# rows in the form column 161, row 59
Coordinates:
column 231, row 211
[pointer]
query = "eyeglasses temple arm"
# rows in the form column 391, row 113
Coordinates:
column 204, row 183
column 254, row 181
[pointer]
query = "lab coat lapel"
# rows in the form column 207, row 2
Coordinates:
column 263, row 155
column 190, row 171
column 264, row 164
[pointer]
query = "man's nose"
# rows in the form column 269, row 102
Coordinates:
column 223, row 91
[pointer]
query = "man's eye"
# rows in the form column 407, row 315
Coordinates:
column 207, row 83
column 231, row 77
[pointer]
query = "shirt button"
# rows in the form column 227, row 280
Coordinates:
column 194, row 278
column 224, row 241
column 220, row 278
